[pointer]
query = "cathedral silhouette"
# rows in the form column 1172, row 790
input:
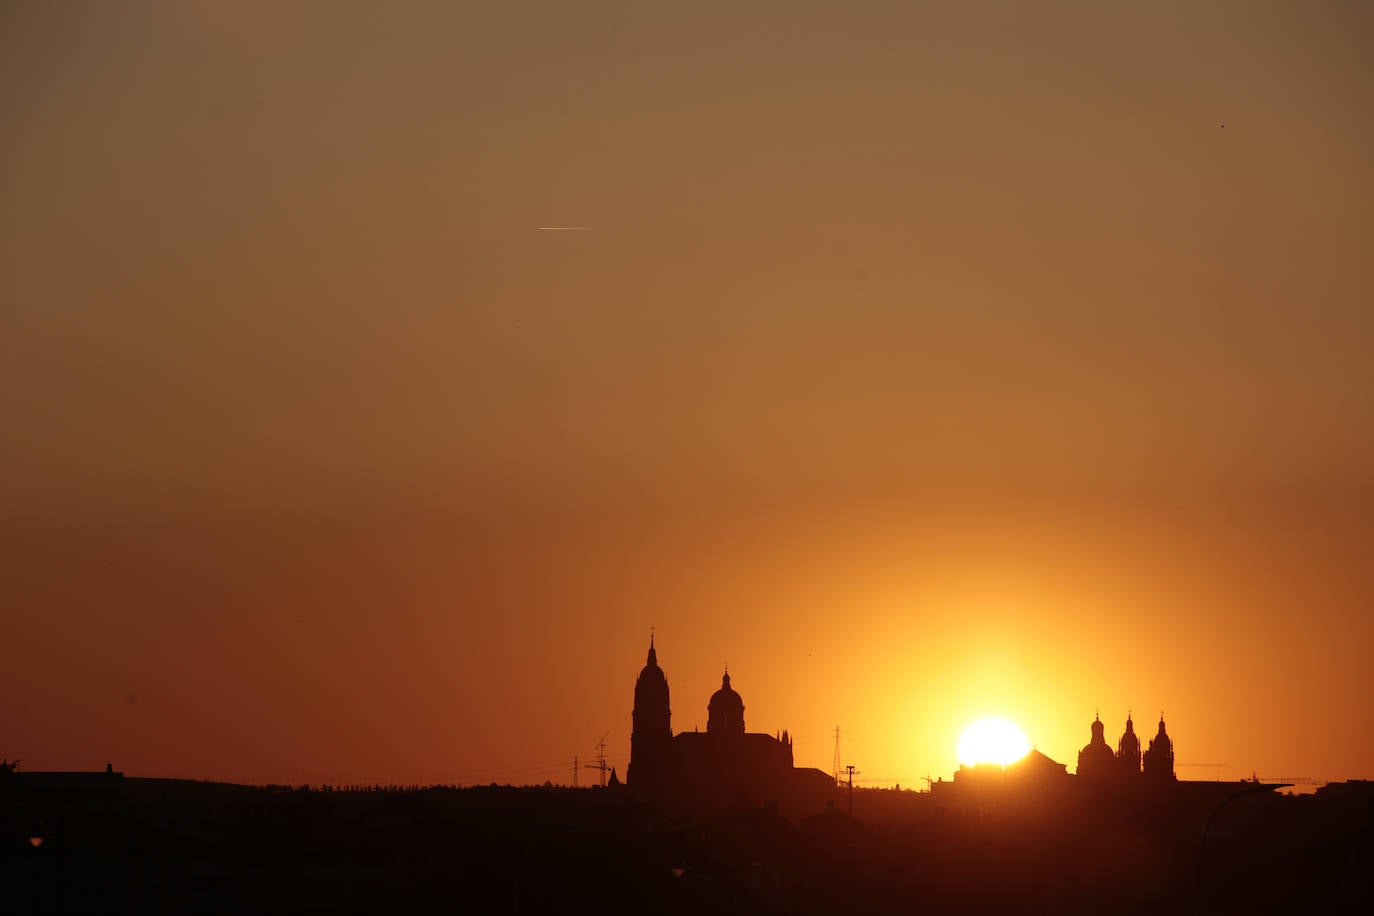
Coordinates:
column 717, row 768
column 1097, row 762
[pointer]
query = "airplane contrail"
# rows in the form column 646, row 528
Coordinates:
column 563, row 228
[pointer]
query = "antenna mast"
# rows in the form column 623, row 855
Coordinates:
column 600, row 761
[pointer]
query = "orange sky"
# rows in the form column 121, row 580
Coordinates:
column 924, row 361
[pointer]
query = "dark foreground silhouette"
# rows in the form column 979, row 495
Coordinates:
column 140, row 845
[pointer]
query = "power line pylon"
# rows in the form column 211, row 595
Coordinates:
column 851, row 771
column 574, row 771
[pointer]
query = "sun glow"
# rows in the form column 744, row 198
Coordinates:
column 992, row 740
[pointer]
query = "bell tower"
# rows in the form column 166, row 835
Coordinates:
column 1128, row 750
column 1159, row 759
column 651, row 731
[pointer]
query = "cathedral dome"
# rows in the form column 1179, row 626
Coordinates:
column 1096, row 760
column 725, row 711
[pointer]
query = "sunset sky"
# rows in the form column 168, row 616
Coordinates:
column 923, row 361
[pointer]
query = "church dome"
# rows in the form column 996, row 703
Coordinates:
column 1096, row 760
column 725, row 711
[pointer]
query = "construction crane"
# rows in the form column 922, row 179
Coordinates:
column 835, row 768
column 600, row 760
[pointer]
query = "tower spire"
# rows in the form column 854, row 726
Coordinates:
column 651, row 728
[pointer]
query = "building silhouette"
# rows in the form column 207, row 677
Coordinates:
column 1159, row 759
column 725, row 712
column 651, row 731
column 1096, row 761
column 1128, row 751
column 720, row 767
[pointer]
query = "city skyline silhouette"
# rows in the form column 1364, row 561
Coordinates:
column 927, row 363
column 892, row 456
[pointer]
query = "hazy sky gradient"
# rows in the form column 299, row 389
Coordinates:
column 924, row 361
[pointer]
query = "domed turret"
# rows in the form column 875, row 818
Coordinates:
column 1096, row 760
column 1128, row 750
column 1159, row 759
column 725, row 711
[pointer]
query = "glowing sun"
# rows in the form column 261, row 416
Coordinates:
column 992, row 741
